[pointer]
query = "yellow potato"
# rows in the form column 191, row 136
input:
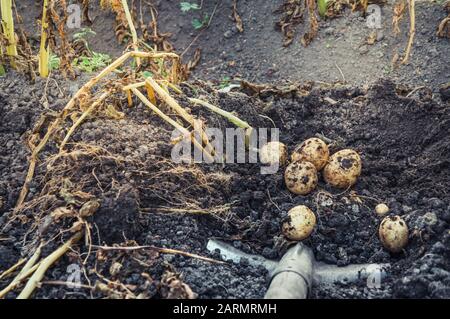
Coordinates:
column 312, row 150
column 301, row 177
column 393, row 233
column 273, row 152
column 343, row 169
column 381, row 209
column 299, row 224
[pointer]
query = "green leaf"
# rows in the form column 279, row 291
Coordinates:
column 91, row 64
column 322, row 6
column 53, row 62
column 197, row 24
column 147, row 74
column 187, row 6
column 2, row 70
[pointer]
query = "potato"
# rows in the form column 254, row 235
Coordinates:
column 393, row 233
column 299, row 224
column 343, row 169
column 381, row 209
column 313, row 150
column 301, row 177
column 273, row 152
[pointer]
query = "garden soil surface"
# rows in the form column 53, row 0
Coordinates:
column 148, row 200
column 123, row 160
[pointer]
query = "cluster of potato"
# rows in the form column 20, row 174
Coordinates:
column 341, row 170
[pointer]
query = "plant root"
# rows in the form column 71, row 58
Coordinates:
column 160, row 250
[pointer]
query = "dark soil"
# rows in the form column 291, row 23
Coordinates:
column 132, row 176
column 257, row 54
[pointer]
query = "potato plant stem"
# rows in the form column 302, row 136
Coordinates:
column 43, row 51
column 412, row 30
column 18, row 280
column 166, row 118
column 83, row 116
column 173, row 104
column 46, row 263
column 8, row 29
column 12, row 269
column 132, row 29
column 230, row 117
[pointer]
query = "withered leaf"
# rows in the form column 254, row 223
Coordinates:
column 89, row 208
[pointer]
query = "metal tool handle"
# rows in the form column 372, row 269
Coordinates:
column 292, row 279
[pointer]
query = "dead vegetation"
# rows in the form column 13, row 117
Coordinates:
column 444, row 26
column 67, row 169
column 293, row 14
column 64, row 204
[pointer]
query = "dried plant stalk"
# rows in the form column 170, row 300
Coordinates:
column 230, row 117
column 178, row 109
column 132, row 29
column 166, row 118
column 18, row 280
column 12, row 268
column 8, row 29
column 161, row 251
column 43, row 51
column 26, row 271
column 83, row 116
column 412, row 30
column 313, row 24
column 45, row 264
column 69, row 106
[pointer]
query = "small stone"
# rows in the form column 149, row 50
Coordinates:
column 363, row 49
column 329, row 31
column 115, row 268
column 228, row 34
column 327, row 202
column 430, row 219
column 258, row 195
column 406, row 208
column 169, row 258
